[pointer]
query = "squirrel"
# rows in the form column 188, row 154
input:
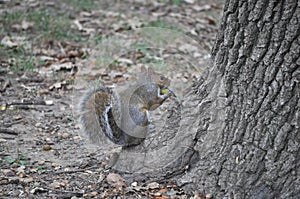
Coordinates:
column 123, row 116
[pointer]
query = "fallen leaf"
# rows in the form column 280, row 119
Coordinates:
column 63, row 66
column 3, row 107
column 25, row 25
column 126, row 61
column 47, row 58
column 21, row 171
column 163, row 190
column 202, row 8
column 90, row 195
column 47, row 147
column 65, row 135
column 135, row 23
column 49, row 102
column 134, row 184
column 27, row 179
column 8, row 172
column 153, row 185
column 189, row 1
column 188, row 48
column 55, row 185
column 160, row 197
column 43, row 91
column 57, row 85
column 76, row 138
column 6, row 41
column 115, row 180
column 37, row 190
column 85, row 14
column 78, row 24
column 211, row 20
column 41, row 162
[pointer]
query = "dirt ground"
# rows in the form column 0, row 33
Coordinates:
column 46, row 52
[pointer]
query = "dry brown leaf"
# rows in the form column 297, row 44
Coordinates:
column 202, row 8
column 47, row 147
column 8, row 172
column 56, row 85
column 211, row 20
column 63, row 66
column 190, row 1
column 78, row 24
column 115, row 180
column 160, row 197
column 25, row 25
column 7, row 41
column 27, row 179
column 153, row 185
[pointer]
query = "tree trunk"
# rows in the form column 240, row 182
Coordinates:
column 238, row 136
column 250, row 146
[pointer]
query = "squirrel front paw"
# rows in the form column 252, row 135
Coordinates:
column 165, row 93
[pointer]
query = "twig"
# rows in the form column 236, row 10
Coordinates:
column 12, row 123
column 27, row 103
column 8, row 138
column 8, row 131
column 70, row 171
column 4, row 181
column 5, row 85
column 79, row 194
column 35, row 80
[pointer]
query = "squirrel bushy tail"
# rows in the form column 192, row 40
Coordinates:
column 92, row 124
column 99, row 111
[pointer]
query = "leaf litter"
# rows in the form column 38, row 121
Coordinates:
column 42, row 46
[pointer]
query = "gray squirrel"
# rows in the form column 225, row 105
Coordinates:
column 123, row 117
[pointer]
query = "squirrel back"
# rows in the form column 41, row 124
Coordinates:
column 123, row 117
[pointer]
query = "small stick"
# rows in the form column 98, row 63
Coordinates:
column 12, row 123
column 64, row 191
column 8, row 131
column 27, row 103
column 70, row 171
column 5, row 85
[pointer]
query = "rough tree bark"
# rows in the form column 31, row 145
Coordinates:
column 240, row 124
column 255, row 147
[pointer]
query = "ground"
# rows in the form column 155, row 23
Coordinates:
column 46, row 52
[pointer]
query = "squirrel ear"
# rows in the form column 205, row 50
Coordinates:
column 150, row 70
column 143, row 69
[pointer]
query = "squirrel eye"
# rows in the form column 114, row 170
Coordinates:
column 162, row 77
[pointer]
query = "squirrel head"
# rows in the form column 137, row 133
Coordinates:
column 151, row 76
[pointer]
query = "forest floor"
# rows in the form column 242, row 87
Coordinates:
column 45, row 46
